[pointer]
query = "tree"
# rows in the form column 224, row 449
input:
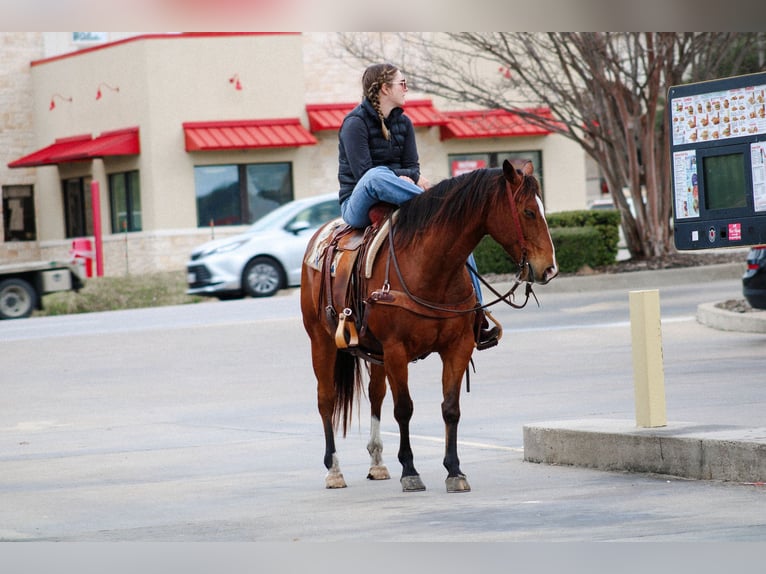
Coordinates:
column 606, row 91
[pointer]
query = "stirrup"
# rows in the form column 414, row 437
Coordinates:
column 346, row 326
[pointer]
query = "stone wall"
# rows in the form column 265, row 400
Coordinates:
column 17, row 134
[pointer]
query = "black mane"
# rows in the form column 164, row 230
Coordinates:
column 449, row 202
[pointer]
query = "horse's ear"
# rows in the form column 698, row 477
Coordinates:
column 510, row 172
column 528, row 168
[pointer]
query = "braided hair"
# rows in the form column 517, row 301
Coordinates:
column 373, row 79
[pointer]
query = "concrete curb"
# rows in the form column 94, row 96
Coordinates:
column 702, row 452
column 649, row 279
column 751, row 322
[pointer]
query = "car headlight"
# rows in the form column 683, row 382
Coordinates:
column 226, row 247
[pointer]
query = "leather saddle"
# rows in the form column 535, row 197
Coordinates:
column 346, row 259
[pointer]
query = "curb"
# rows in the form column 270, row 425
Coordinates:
column 687, row 450
column 648, row 279
column 711, row 316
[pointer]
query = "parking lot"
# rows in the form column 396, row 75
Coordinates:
column 198, row 423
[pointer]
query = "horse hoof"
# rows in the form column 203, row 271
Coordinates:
column 379, row 472
column 334, row 481
column 457, row 484
column 412, row 483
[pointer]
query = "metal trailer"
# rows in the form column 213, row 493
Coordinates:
column 22, row 285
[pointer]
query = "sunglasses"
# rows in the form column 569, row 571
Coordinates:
column 402, row 83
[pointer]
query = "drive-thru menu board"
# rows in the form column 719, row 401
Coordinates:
column 718, row 149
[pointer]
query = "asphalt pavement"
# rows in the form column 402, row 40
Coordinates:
column 199, row 423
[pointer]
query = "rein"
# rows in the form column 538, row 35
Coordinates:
column 459, row 308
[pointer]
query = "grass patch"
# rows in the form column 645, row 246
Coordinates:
column 114, row 293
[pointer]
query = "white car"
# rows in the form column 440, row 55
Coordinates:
column 265, row 258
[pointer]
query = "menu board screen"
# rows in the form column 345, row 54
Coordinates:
column 724, row 177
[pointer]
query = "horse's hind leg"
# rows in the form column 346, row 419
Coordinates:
column 324, row 353
column 377, row 392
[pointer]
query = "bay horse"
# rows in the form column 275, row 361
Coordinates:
column 427, row 305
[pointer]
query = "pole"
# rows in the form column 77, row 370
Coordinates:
column 648, row 371
column 95, row 198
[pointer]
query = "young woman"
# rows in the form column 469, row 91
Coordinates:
column 378, row 160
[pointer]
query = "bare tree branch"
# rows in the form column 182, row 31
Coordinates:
column 605, row 91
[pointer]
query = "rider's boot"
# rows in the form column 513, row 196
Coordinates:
column 486, row 336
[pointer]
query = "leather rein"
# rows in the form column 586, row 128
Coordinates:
column 460, row 308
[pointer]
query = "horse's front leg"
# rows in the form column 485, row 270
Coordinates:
column 377, row 392
column 452, row 378
column 396, row 371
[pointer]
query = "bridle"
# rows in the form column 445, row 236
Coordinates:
column 459, row 308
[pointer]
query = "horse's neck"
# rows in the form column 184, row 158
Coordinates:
column 437, row 258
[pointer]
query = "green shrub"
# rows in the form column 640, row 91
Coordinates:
column 581, row 237
column 576, row 247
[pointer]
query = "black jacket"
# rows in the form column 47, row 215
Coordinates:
column 361, row 146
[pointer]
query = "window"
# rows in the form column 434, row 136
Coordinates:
column 78, row 211
column 240, row 194
column 125, row 202
column 461, row 163
column 19, row 213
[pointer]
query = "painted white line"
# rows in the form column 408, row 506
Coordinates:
column 482, row 445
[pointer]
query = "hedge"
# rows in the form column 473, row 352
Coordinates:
column 582, row 237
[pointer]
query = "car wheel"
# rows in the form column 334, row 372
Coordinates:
column 17, row 299
column 262, row 277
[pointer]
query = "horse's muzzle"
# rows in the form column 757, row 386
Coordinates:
column 541, row 279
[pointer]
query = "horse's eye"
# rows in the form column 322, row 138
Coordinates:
column 529, row 213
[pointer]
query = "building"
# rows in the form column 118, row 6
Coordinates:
column 190, row 135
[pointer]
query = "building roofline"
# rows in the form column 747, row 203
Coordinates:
column 154, row 36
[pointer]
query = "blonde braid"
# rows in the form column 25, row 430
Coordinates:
column 374, row 78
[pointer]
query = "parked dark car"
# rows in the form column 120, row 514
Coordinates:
column 754, row 279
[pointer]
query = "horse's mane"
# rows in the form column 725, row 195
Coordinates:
column 450, row 202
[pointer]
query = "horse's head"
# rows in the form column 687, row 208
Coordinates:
column 529, row 242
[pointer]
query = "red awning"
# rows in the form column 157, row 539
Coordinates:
column 245, row 134
column 330, row 116
column 50, row 155
column 84, row 147
column 489, row 124
column 118, row 142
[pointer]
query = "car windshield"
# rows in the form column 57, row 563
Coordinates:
column 272, row 218
column 313, row 213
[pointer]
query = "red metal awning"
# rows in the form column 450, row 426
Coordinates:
column 50, row 155
column 330, row 116
column 118, row 142
column 491, row 123
column 83, row 147
column 245, row 134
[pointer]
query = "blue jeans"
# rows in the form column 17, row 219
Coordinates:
column 381, row 184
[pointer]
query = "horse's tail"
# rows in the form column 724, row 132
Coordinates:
column 348, row 384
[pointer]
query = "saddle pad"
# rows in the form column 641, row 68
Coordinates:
column 315, row 255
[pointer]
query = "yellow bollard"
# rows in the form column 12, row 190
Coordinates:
column 648, row 370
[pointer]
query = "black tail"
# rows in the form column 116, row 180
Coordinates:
column 348, row 384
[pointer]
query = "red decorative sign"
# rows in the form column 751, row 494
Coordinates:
column 735, row 232
column 464, row 166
